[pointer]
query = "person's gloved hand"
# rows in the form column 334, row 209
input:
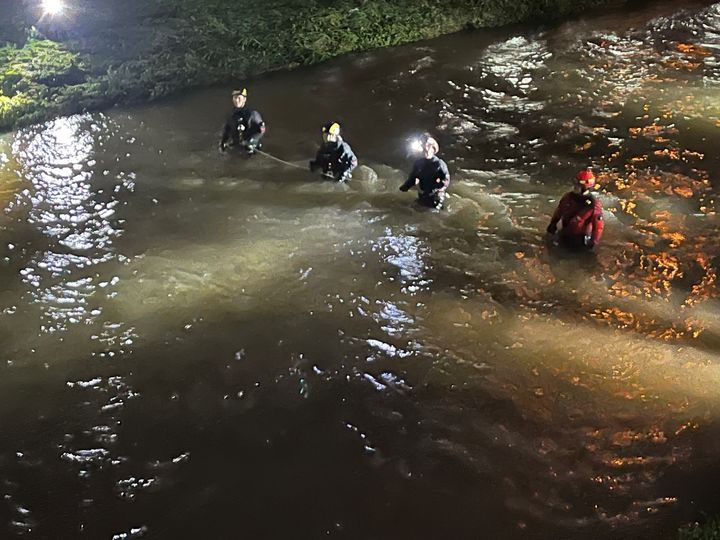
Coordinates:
column 589, row 242
column 404, row 188
column 222, row 147
column 552, row 228
column 250, row 148
column 313, row 165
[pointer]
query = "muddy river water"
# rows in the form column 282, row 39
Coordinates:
column 198, row 345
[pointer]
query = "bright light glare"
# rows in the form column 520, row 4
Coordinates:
column 53, row 7
column 416, row 146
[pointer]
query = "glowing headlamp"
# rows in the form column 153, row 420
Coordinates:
column 53, row 7
column 415, row 146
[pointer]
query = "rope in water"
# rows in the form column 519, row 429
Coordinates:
column 281, row 160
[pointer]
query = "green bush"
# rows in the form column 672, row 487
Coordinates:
column 138, row 50
column 708, row 531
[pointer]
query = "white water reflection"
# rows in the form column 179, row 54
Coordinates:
column 407, row 253
column 73, row 211
column 510, row 70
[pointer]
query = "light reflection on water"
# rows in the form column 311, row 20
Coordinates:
column 194, row 327
column 75, row 215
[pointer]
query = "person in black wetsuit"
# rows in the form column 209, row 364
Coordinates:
column 334, row 158
column 430, row 174
column 244, row 128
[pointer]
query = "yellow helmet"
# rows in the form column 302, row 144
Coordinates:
column 332, row 129
column 241, row 92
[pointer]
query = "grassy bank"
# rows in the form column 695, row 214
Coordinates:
column 103, row 52
column 707, row 531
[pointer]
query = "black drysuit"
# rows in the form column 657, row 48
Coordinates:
column 335, row 158
column 432, row 177
column 244, row 127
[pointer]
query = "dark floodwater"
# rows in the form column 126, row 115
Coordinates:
column 197, row 346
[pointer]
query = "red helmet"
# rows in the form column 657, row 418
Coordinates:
column 586, row 178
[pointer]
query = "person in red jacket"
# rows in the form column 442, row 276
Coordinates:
column 580, row 214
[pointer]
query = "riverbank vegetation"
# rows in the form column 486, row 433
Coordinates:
column 98, row 52
column 707, row 531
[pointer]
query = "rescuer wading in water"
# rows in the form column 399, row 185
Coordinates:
column 580, row 214
column 334, row 158
column 430, row 174
column 244, row 128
